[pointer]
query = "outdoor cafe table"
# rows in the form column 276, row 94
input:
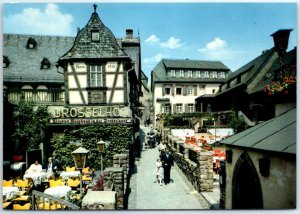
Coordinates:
column 9, row 192
column 37, row 177
column 66, row 175
column 59, row 191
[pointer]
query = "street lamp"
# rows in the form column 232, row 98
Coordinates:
column 101, row 148
column 80, row 156
column 281, row 40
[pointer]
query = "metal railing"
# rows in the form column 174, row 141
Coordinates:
column 42, row 201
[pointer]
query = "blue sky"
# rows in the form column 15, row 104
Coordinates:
column 233, row 33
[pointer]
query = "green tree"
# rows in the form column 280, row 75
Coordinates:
column 30, row 124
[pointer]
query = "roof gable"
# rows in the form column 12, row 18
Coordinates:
column 83, row 47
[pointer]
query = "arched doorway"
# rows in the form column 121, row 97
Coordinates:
column 246, row 188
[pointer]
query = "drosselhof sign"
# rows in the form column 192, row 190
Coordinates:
column 88, row 115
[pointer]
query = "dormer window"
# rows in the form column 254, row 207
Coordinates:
column 6, row 62
column 31, row 43
column 45, row 64
column 95, row 36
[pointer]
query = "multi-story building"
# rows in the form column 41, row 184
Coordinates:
column 92, row 78
column 177, row 83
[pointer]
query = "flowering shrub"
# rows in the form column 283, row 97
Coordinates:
column 280, row 87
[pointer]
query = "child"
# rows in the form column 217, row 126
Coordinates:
column 159, row 171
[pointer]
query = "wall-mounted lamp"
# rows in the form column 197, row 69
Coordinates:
column 264, row 166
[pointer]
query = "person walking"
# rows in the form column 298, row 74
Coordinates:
column 167, row 161
column 159, row 171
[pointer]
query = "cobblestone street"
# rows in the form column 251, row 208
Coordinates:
column 146, row 194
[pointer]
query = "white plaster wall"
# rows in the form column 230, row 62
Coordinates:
column 278, row 189
column 117, row 97
column 82, row 78
column 75, row 98
column 110, row 78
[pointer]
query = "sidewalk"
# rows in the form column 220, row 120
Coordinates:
column 179, row 194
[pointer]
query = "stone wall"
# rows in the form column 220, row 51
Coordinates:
column 116, row 178
column 196, row 165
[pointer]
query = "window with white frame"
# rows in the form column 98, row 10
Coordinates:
column 178, row 91
column 178, row 108
column 206, row 74
column 181, row 73
column 96, row 76
column 167, row 108
column 222, row 75
column 189, row 90
column 198, row 74
column 190, row 107
column 172, row 73
column 167, row 90
column 189, row 73
column 214, row 74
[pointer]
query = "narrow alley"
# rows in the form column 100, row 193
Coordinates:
column 147, row 194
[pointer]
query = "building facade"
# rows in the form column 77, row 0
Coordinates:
column 177, row 83
column 91, row 79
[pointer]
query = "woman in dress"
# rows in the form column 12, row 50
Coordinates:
column 159, row 171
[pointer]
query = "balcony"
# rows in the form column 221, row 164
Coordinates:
column 41, row 97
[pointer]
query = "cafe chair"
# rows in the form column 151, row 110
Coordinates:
column 73, row 183
column 20, row 207
column 43, row 205
column 58, row 182
column 6, row 183
column 23, row 186
column 70, row 169
column 86, row 178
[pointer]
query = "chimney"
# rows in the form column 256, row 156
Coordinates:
column 129, row 33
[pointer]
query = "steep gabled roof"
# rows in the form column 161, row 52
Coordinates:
column 83, row 48
column 25, row 63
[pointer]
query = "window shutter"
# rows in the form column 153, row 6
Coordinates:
column 173, row 88
column 186, row 108
column 184, row 90
column 174, row 108
column 195, row 90
column 163, row 90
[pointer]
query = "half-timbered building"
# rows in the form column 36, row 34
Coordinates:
column 93, row 78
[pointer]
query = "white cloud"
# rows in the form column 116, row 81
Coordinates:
column 50, row 21
column 216, row 49
column 172, row 43
column 215, row 45
column 152, row 39
column 153, row 59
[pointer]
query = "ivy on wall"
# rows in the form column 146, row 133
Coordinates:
column 118, row 136
column 30, row 123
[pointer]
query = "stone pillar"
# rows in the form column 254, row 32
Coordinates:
column 115, row 175
column 206, row 171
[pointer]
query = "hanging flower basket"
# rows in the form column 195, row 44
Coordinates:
column 282, row 87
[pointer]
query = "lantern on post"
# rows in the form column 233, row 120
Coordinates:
column 80, row 156
column 101, row 148
column 281, row 41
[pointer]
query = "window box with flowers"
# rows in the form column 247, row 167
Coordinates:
column 283, row 88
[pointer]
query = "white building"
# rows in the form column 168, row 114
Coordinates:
column 176, row 84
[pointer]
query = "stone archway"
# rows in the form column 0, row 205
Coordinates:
column 246, row 187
